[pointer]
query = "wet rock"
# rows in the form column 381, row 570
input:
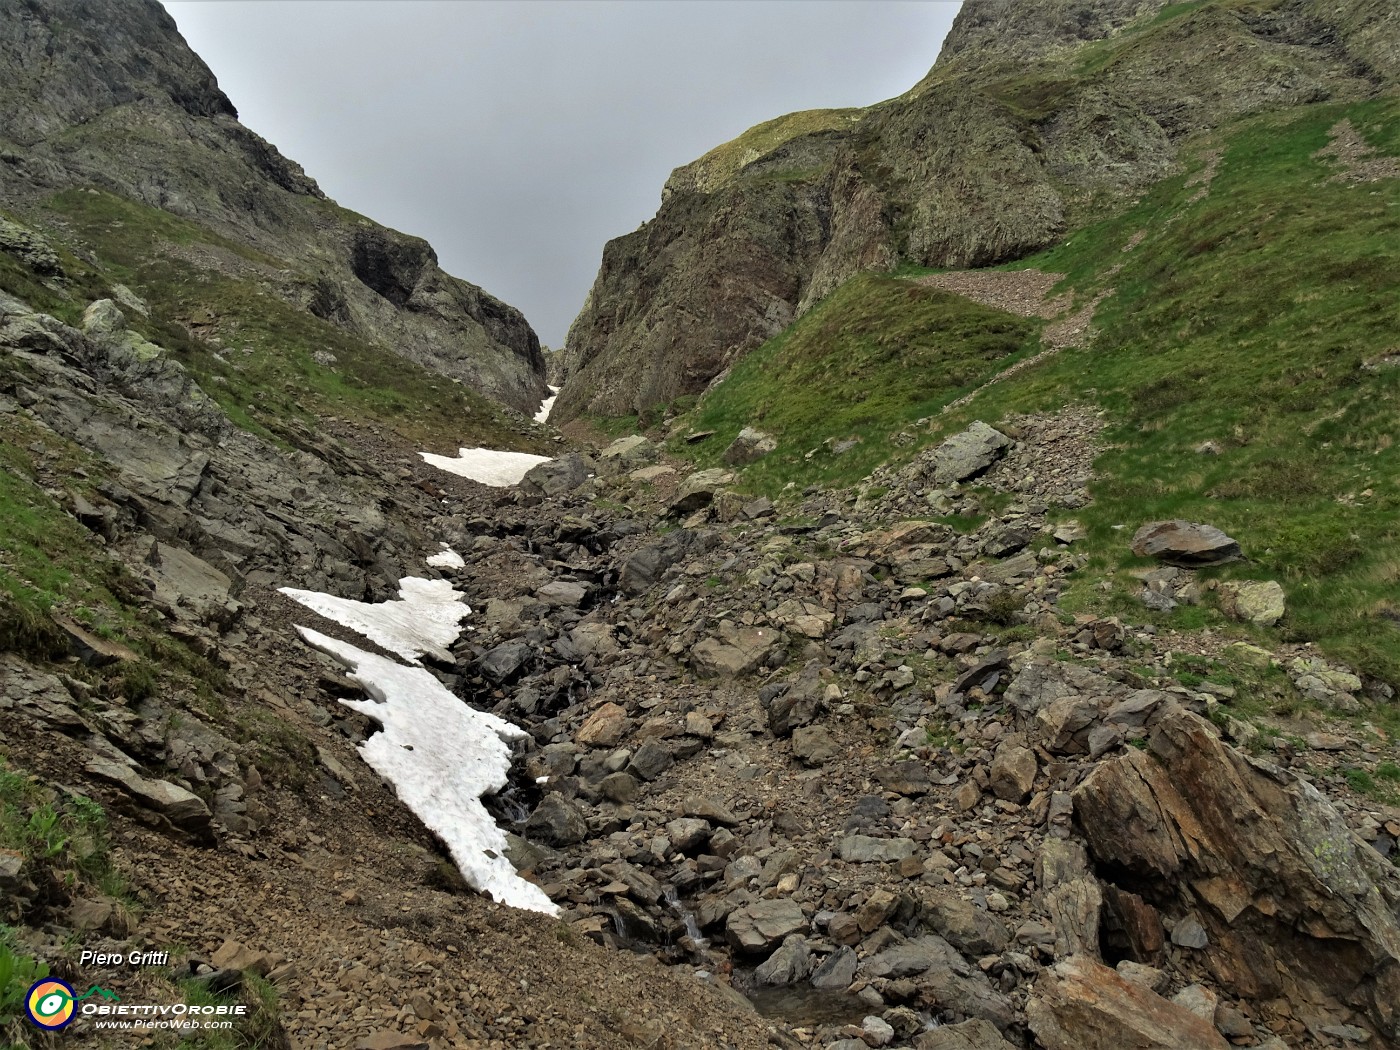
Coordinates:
column 837, row 971
column 637, row 923
column 1080, row 1004
column 1185, row 543
column 749, row 446
column 789, row 964
column 761, row 927
column 1297, row 906
column 557, row 821
column 968, row 454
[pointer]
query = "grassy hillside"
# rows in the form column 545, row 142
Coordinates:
column 877, row 354
column 1253, row 301
column 261, row 363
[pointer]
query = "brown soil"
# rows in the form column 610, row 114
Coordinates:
column 1356, row 160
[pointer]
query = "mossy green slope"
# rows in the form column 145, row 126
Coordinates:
column 266, row 363
column 1257, row 311
column 876, row 355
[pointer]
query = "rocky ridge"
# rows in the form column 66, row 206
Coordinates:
column 1035, row 117
column 106, row 95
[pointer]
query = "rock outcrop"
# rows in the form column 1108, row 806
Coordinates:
column 1288, row 901
column 1004, row 144
column 106, row 95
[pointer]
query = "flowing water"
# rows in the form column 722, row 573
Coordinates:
column 692, row 928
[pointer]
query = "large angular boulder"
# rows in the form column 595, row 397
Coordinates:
column 968, row 454
column 625, row 454
column 1013, row 772
column 1258, row 602
column 944, row 979
column 557, row 821
column 1186, row 543
column 761, row 927
column 976, row 1034
column 749, row 446
column 605, row 727
column 644, row 567
column 698, row 491
column 554, row 477
column 182, row 808
column 1293, row 904
column 961, row 923
column 1080, row 1004
column 736, row 651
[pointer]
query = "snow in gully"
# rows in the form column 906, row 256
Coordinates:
column 440, row 753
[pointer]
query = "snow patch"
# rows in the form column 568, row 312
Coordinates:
column 425, row 619
column 543, row 414
column 441, row 755
column 498, row 469
column 447, row 558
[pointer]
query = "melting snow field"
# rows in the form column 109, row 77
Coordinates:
column 425, row 619
column 543, row 414
column 499, row 469
column 441, row 755
column 446, row 558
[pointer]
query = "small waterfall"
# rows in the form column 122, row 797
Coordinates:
column 692, row 928
column 508, row 806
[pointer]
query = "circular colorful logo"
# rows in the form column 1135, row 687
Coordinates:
column 50, row 1004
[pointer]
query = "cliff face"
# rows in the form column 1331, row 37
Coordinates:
column 106, row 94
column 1038, row 115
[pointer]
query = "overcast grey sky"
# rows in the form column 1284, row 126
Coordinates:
column 518, row 136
